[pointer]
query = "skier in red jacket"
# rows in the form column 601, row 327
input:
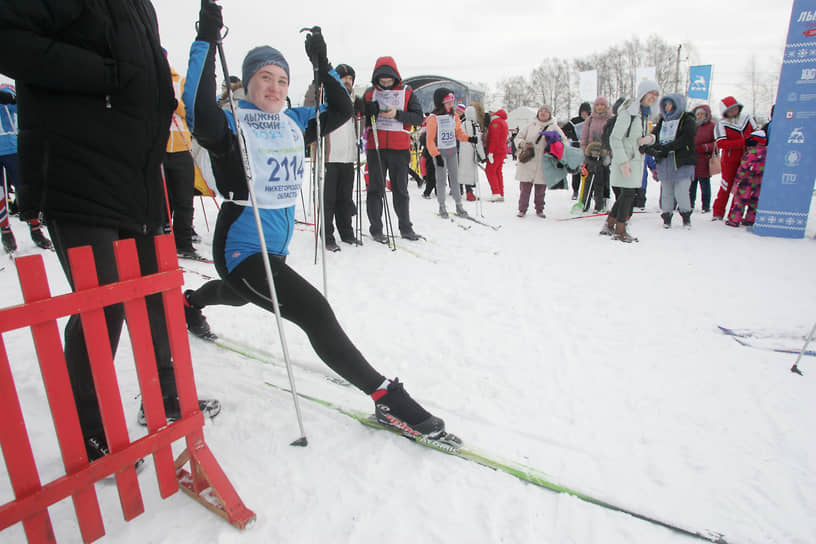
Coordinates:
column 496, row 144
column 730, row 134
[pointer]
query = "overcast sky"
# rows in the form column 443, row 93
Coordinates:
column 489, row 40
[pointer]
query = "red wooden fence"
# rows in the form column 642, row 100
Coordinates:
column 205, row 481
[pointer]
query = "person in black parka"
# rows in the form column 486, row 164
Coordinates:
column 95, row 100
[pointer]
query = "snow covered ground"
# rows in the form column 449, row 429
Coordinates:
column 596, row 362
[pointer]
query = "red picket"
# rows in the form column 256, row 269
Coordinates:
column 17, row 452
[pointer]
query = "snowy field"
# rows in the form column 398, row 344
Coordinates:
column 596, row 362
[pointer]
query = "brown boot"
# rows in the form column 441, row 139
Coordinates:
column 609, row 227
column 622, row 235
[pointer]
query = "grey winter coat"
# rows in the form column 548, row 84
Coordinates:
column 624, row 141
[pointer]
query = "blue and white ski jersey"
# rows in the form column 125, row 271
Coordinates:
column 8, row 129
column 276, row 151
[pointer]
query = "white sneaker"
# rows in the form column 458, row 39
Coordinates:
column 495, row 198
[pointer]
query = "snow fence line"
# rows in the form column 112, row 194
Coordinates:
column 205, row 481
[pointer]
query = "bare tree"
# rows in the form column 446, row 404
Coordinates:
column 555, row 80
column 517, row 92
column 551, row 83
column 760, row 84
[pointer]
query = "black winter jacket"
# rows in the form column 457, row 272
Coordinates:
column 95, row 103
column 685, row 152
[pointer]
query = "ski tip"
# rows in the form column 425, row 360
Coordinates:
column 301, row 442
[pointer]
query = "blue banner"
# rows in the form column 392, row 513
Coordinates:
column 790, row 171
column 700, row 82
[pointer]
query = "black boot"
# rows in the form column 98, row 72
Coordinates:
column 667, row 217
column 686, row 219
column 208, row 407
column 196, row 322
column 9, row 243
column 39, row 238
column 395, row 407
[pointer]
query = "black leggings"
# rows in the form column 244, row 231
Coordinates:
column 622, row 209
column 301, row 304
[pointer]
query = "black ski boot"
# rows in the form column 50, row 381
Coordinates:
column 39, row 238
column 9, row 243
column 331, row 245
column 380, row 237
column 667, row 218
column 189, row 253
column 395, row 407
column 196, row 322
column 209, row 407
column 686, row 219
column 410, row 235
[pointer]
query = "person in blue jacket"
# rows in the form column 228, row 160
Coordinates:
column 9, row 168
column 276, row 137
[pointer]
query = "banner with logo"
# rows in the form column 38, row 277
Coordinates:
column 588, row 85
column 790, row 171
column 700, row 82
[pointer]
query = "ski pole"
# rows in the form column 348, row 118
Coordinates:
column 302, row 441
column 359, row 221
column 319, row 169
column 389, row 226
column 588, row 196
column 204, row 211
column 167, row 200
column 795, row 367
column 479, row 205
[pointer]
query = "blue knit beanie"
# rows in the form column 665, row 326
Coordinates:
column 260, row 57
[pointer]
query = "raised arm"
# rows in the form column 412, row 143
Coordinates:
column 207, row 122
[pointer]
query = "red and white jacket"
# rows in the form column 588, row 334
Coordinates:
column 393, row 133
column 730, row 135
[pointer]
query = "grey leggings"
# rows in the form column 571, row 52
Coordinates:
column 449, row 171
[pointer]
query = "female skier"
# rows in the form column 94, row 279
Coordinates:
column 443, row 128
column 275, row 144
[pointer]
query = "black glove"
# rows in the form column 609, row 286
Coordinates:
column 7, row 98
column 473, row 140
column 372, row 108
column 440, row 161
column 655, row 150
column 210, row 22
column 316, row 49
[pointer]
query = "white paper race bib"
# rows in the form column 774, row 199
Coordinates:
column 276, row 156
column 393, row 100
column 445, row 132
